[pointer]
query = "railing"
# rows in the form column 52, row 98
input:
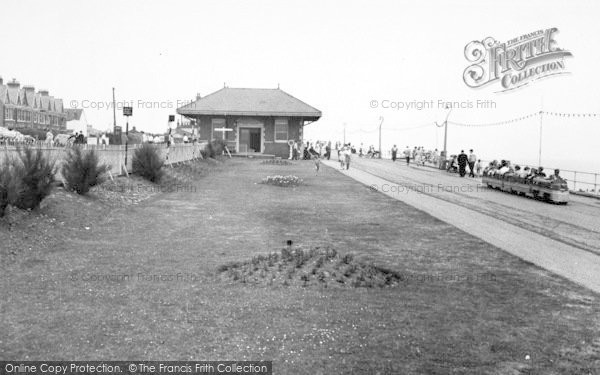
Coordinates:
column 584, row 183
column 578, row 181
column 113, row 155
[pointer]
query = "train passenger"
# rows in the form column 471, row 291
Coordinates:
column 505, row 168
column 556, row 176
column 540, row 172
column 523, row 173
column 517, row 171
column 532, row 174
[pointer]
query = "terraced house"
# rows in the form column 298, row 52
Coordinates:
column 23, row 108
column 250, row 120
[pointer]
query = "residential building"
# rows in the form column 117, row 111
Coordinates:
column 23, row 108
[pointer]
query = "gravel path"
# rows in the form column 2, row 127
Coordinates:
column 562, row 239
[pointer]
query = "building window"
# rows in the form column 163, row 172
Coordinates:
column 217, row 123
column 281, row 130
column 7, row 114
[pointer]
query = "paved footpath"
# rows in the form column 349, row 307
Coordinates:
column 562, row 239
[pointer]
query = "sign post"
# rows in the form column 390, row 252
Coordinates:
column 223, row 130
column 127, row 111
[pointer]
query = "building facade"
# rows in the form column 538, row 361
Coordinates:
column 251, row 120
column 23, row 108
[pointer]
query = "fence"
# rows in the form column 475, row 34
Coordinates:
column 114, row 155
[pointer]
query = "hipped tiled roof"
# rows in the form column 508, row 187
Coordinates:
column 250, row 102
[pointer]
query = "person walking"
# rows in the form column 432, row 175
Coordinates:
column 328, row 150
column 407, row 155
column 462, row 163
column 472, row 161
column 341, row 157
column 394, row 152
column 478, row 168
column 347, row 153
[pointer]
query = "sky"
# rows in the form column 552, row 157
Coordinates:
column 348, row 59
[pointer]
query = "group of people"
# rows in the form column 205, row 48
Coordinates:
column 459, row 163
column 77, row 138
column 418, row 154
column 344, row 156
column 505, row 168
column 309, row 150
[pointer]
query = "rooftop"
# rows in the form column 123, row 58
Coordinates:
column 250, row 102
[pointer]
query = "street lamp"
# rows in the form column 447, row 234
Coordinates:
column 380, row 123
column 445, row 125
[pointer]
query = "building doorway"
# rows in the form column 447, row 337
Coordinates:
column 250, row 139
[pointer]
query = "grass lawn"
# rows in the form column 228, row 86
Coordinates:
column 141, row 283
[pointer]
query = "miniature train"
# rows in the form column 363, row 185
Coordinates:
column 551, row 190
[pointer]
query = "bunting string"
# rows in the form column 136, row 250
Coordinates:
column 498, row 123
column 505, row 122
column 522, row 118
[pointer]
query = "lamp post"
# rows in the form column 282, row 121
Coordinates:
column 444, row 154
column 380, row 123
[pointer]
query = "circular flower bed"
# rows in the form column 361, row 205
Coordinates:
column 318, row 268
column 283, row 181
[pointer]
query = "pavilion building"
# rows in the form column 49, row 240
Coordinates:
column 251, row 121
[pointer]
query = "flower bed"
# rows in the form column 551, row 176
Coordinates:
column 283, row 181
column 276, row 162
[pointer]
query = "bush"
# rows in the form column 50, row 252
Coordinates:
column 148, row 163
column 34, row 175
column 10, row 187
column 215, row 148
column 82, row 170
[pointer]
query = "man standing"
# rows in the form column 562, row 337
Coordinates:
column 295, row 151
column 347, row 153
column 462, row 163
column 394, row 152
column 407, row 155
column 472, row 161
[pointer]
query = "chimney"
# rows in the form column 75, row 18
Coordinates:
column 43, row 92
column 198, row 97
column 14, row 83
column 29, row 88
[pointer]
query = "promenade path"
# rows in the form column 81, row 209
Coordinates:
column 564, row 239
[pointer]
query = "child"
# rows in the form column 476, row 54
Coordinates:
column 317, row 160
column 478, row 168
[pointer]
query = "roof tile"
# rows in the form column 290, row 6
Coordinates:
column 250, row 102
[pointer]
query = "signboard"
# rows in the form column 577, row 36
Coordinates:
column 223, row 130
column 127, row 111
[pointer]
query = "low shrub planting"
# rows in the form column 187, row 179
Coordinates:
column 148, row 163
column 82, row 170
column 283, row 181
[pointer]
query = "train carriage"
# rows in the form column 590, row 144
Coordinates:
column 551, row 190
